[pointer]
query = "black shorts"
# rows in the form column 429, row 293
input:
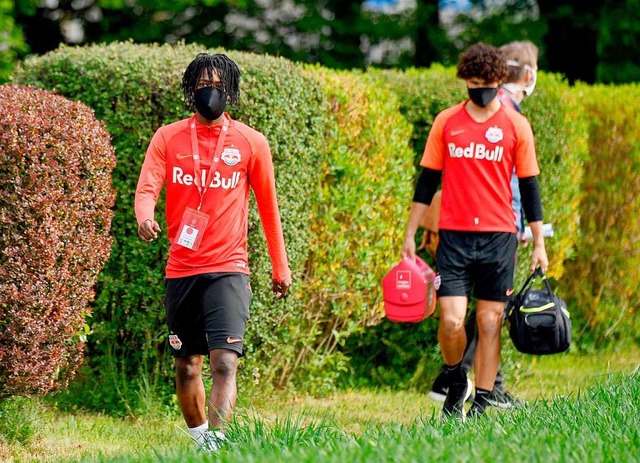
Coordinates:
column 482, row 262
column 206, row 312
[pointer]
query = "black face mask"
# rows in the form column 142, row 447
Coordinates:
column 482, row 96
column 210, row 102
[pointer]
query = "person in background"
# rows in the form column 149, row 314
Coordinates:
column 474, row 147
column 522, row 64
column 209, row 162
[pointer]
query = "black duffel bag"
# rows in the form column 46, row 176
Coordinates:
column 539, row 321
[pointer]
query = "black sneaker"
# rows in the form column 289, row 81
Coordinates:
column 440, row 387
column 502, row 399
column 478, row 406
column 456, row 397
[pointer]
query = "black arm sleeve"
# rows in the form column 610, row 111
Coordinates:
column 427, row 185
column 531, row 202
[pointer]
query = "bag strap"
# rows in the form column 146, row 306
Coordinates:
column 545, row 280
column 530, row 280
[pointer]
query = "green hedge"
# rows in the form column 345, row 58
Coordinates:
column 422, row 95
column 605, row 269
column 357, row 225
column 134, row 89
column 560, row 127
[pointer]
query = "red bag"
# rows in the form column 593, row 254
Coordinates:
column 409, row 291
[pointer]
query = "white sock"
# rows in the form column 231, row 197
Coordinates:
column 197, row 432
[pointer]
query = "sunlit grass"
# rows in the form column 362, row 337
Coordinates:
column 581, row 408
column 527, row 377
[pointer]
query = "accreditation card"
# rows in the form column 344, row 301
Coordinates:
column 191, row 229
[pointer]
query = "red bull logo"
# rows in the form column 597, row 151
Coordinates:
column 230, row 156
column 218, row 181
column 476, row 151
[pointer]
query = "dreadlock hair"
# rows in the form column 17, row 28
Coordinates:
column 226, row 68
column 482, row 61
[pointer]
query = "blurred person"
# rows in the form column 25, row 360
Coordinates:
column 209, row 162
column 522, row 64
column 474, row 147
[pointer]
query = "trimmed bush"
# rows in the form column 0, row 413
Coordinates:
column 422, row 95
column 55, row 198
column 560, row 127
column 135, row 89
column 605, row 270
column 363, row 194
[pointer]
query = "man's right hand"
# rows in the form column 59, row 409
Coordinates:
column 281, row 288
column 415, row 216
column 148, row 230
column 409, row 247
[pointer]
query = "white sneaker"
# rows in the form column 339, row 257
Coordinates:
column 210, row 441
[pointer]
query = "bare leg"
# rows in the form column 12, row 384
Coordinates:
column 190, row 390
column 224, row 365
column 451, row 334
column 488, row 354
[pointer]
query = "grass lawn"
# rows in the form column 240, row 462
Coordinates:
column 527, row 377
column 581, row 407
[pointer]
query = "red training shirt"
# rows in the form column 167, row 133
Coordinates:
column 245, row 162
column 477, row 160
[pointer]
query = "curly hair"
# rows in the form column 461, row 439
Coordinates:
column 226, row 68
column 484, row 62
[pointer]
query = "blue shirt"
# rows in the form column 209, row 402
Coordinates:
column 516, row 203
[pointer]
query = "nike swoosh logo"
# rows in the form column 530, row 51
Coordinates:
column 231, row 340
column 184, row 156
column 509, row 292
column 456, row 132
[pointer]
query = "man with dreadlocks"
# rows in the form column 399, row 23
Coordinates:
column 209, row 161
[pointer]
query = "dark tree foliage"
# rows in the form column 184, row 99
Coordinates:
column 341, row 45
column 513, row 20
column 618, row 38
column 570, row 44
column 587, row 41
column 335, row 33
column 430, row 39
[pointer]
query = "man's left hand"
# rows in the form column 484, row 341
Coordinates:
column 539, row 258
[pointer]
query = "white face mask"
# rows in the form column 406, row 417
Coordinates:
column 513, row 88
column 528, row 89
